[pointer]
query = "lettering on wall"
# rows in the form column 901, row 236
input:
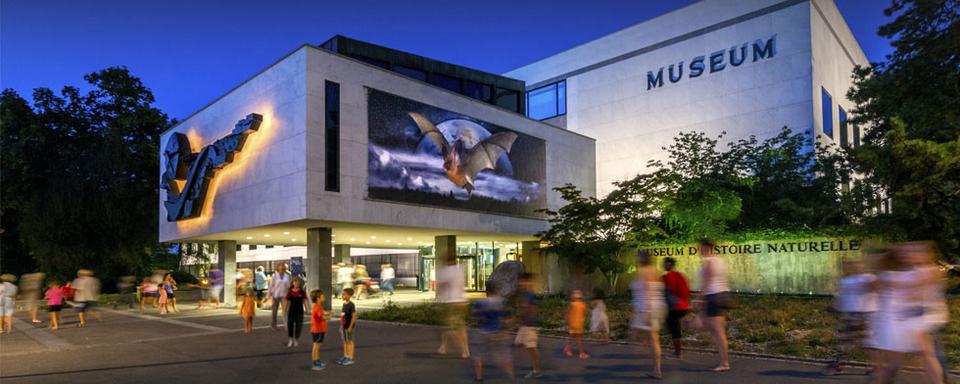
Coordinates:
column 798, row 246
column 187, row 175
column 714, row 62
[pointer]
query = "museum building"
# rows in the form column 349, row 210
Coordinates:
column 350, row 151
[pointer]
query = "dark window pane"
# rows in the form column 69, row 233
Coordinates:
column 508, row 99
column 238, row 247
column 856, row 136
column 410, row 72
column 253, row 247
column 446, row 82
column 370, row 60
column 332, row 135
column 843, row 127
column 268, row 247
column 478, row 91
column 542, row 102
column 827, row 107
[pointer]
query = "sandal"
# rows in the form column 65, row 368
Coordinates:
column 654, row 376
column 721, row 368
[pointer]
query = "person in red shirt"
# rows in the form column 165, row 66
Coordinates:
column 318, row 327
column 678, row 300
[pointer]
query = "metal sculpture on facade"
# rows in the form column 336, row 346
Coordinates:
column 187, row 175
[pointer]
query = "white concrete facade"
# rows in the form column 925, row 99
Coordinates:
column 275, row 185
column 607, row 79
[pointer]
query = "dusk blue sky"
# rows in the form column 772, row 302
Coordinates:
column 190, row 52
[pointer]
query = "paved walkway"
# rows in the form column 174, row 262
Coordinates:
column 207, row 346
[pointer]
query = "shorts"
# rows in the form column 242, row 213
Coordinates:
column 673, row 322
column 54, row 308
column 454, row 315
column 261, row 293
column 170, row 295
column 215, row 292
column 346, row 335
column 151, row 294
column 526, row 337
column 717, row 303
column 484, row 343
column 317, row 337
column 83, row 306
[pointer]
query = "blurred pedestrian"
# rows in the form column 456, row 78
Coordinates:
column 279, row 285
column 489, row 341
column 8, row 302
column 126, row 288
column 169, row 286
column 897, row 326
column 677, row 295
column 260, row 284
column 854, row 303
column 55, row 299
column 527, row 333
column 216, row 286
column 162, row 300
column 203, row 285
column 31, row 290
column 716, row 295
column 387, row 275
column 360, row 279
column 649, row 308
column 248, row 309
column 348, row 325
column 922, row 255
column 452, row 296
column 318, row 328
column 296, row 304
column 148, row 292
column 344, row 277
column 87, row 289
column 576, row 316
column 599, row 322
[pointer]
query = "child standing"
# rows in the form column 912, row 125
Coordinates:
column 576, row 315
column 162, row 307
column 318, row 327
column 54, row 296
column 348, row 320
column 296, row 305
column 599, row 322
column 247, row 310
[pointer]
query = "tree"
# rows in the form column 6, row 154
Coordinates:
column 911, row 103
column 80, row 174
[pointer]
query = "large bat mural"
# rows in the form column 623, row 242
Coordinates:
column 187, row 175
column 463, row 164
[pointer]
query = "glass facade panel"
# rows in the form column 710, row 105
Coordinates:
column 843, row 127
column 547, row 101
column 827, row 107
column 332, row 136
column 856, row 136
column 478, row 91
column 446, row 82
column 542, row 102
column 370, row 60
column 410, row 72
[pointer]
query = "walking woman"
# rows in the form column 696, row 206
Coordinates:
column 279, row 285
column 648, row 307
column 296, row 305
column 170, row 285
column 716, row 295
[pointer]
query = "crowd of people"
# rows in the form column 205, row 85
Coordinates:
column 83, row 291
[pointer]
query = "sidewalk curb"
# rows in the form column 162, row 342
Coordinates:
column 762, row 356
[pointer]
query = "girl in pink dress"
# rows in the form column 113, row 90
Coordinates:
column 162, row 301
column 54, row 296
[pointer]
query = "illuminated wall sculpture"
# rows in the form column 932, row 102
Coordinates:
column 187, row 175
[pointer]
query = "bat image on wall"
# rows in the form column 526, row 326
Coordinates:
column 463, row 164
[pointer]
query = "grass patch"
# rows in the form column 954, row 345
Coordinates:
column 782, row 325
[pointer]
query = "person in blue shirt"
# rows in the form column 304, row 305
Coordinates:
column 260, row 285
column 490, row 339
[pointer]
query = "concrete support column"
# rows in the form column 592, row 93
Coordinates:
column 319, row 262
column 227, row 262
column 533, row 263
column 341, row 253
column 445, row 253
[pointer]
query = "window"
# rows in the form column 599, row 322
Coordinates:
column 410, row 72
column 372, row 61
column 843, row 127
column 268, row 246
column 238, row 247
column 827, row 107
column 507, row 99
column 478, row 91
column 332, row 135
column 253, row 247
column 446, row 82
column 547, row 101
column 856, row 136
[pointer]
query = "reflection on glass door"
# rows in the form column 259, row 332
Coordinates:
column 471, row 272
column 428, row 274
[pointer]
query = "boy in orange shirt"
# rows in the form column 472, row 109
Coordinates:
column 576, row 316
column 318, row 327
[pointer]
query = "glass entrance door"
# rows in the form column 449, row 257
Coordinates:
column 471, row 272
column 426, row 281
